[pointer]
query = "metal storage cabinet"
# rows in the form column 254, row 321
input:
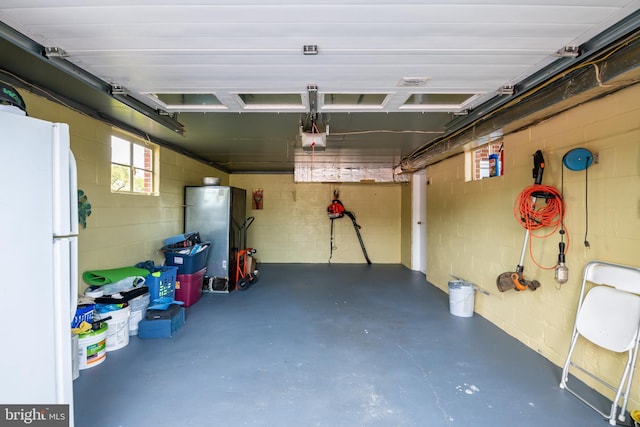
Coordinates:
column 217, row 213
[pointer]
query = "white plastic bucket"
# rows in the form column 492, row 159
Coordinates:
column 138, row 308
column 75, row 356
column 92, row 347
column 461, row 298
column 118, row 333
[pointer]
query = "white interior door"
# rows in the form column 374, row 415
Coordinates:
column 419, row 221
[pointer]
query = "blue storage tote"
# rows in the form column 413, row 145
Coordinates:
column 162, row 282
column 161, row 323
column 187, row 263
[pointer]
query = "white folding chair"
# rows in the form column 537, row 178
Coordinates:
column 608, row 316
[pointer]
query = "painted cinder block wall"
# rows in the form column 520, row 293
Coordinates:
column 472, row 232
column 123, row 229
column 294, row 227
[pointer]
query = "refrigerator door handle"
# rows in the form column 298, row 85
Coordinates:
column 73, row 199
column 73, row 249
column 73, row 193
column 65, row 187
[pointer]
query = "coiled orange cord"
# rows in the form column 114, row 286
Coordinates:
column 540, row 206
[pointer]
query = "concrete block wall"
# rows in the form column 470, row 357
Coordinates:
column 123, row 229
column 293, row 225
column 472, row 231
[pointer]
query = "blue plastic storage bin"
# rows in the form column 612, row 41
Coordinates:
column 187, row 263
column 162, row 327
column 162, row 282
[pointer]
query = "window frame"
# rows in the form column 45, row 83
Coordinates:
column 477, row 159
column 149, row 166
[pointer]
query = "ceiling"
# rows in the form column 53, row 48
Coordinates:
column 229, row 82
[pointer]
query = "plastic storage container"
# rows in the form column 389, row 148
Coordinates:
column 185, row 240
column 189, row 287
column 187, row 263
column 161, row 323
column 162, row 282
column 138, row 308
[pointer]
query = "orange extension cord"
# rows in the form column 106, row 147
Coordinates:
column 534, row 213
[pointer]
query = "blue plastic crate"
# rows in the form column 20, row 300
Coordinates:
column 162, row 327
column 186, row 263
column 162, row 282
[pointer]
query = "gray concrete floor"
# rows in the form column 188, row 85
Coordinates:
column 328, row 345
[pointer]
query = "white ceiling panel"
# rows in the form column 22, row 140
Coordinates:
column 219, row 46
column 364, row 46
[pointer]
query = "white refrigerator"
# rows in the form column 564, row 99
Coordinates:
column 38, row 293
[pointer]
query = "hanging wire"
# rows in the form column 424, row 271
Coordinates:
column 562, row 225
column 586, row 203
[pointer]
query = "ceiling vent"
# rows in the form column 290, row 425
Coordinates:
column 413, row 82
column 310, row 49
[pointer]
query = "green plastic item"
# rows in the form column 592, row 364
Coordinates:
column 103, row 277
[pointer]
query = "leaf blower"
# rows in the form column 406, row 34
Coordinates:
column 337, row 210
